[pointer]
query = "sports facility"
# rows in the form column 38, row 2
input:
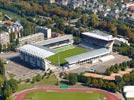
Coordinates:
column 72, row 93
column 64, row 48
column 64, row 96
column 59, row 58
column 61, row 50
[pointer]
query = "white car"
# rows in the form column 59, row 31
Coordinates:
column 92, row 70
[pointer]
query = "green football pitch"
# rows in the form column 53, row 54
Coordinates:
column 59, row 58
column 64, row 96
column 64, row 48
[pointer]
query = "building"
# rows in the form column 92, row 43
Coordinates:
column 129, row 91
column 13, row 27
column 4, row 38
column 88, row 57
column 45, row 30
column 101, row 45
column 52, row 1
column 35, row 56
column 31, row 39
column 97, row 39
column 57, row 42
column 64, row 2
column 119, row 41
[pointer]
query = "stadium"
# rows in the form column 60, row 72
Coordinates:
column 95, row 46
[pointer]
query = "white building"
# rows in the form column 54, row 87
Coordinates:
column 31, row 39
column 52, row 1
column 93, row 56
column 121, row 40
column 47, row 31
column 129, row 91
column 98, row 39
column 4, row 38
column 35, row 56
column 16, row 27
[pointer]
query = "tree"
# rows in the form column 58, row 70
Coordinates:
column 1, row 81
column 88, row 82
column 94, row 20
column 112, row 86
column 112, row 29
column 38, row 77
column 13, row 84
column 2, row 68
column 33, row 80
column 84, row 19
column 12, row 37
column 0, row 48
column 72, row 78
column 7, row 91
column 82, row 78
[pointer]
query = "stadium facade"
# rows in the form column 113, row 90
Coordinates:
column 102, row 45
column 35, row 56
column 90, row 57
column 57, row 42
column 97, row 39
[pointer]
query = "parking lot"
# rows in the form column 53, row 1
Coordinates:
column 101, row 66
column 18, row 69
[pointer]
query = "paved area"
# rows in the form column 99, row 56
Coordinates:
column 18, row 69
column 101, row 66
column 22, row 94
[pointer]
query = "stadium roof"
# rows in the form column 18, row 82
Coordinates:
column 54, row 40
column 36, row 51
column 99, row 35
column 87, row 55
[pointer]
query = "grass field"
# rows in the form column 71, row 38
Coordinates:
column 52, row 80
column 60, row 57
column 64, row 96
column 64, row 48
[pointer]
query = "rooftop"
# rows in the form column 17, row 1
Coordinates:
column 36, row 51
column 99, row 34
column 128, row 88
column 54, row 40
column 87, row 55
column 33, row 35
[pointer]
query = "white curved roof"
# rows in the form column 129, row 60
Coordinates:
column 87, row 55
column 36, row 51
column 98, row 35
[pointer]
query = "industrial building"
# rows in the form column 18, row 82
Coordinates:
column 35, row 56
